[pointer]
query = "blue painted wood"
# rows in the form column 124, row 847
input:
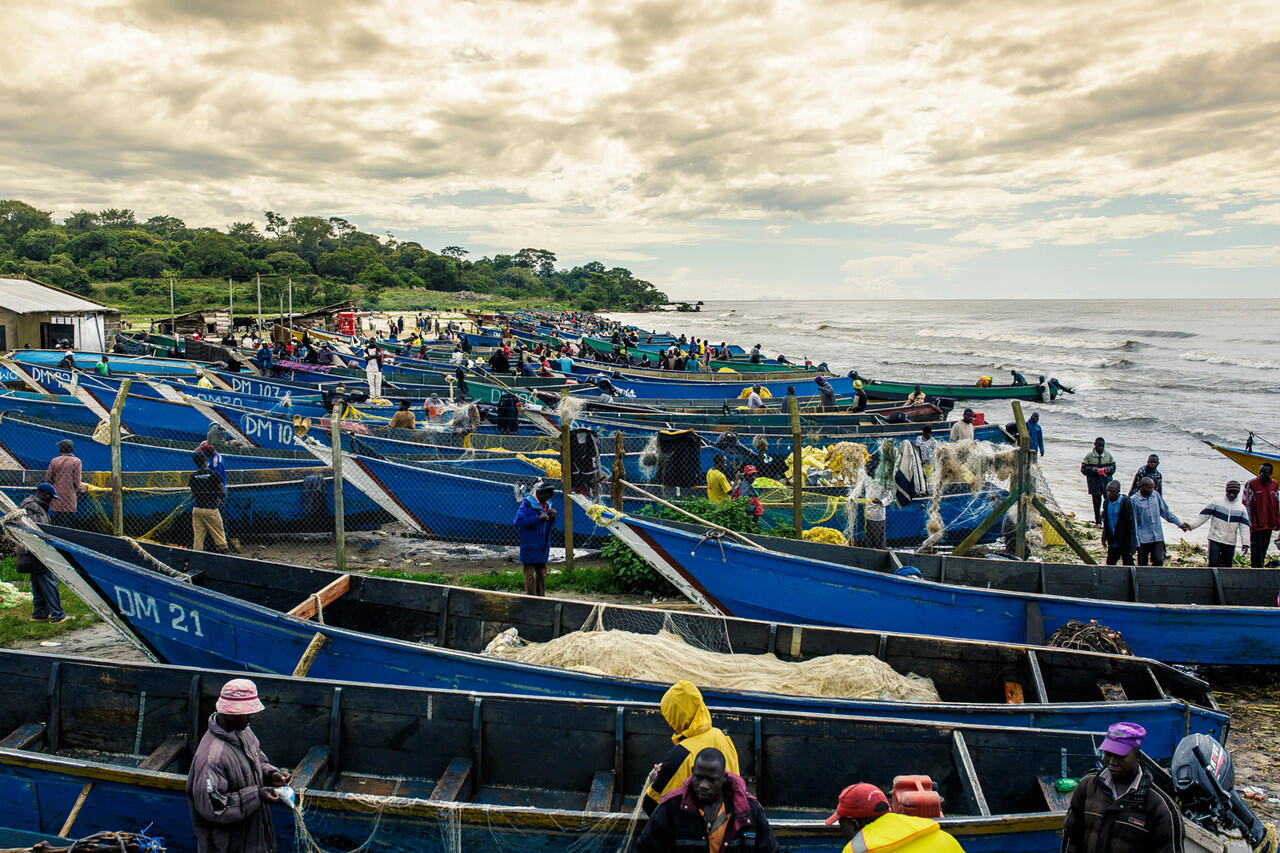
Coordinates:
column 189, row 625
column 775, row 586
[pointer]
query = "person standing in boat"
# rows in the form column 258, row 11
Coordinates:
column 859, row 397
column 827, row 393
column 1118, row 534
column 867, row 824
column 1228, row 522
column 1152, row 470
column 1119, row 809
column 1098, row 468
column 1148, row 508
column 65, row 473
column 1260, row 497
column 534, row 520
column 231, row 783
column 685, row 711
column 962, row 430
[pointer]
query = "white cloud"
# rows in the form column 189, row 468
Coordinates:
column 1234, row 257
column 883, row 275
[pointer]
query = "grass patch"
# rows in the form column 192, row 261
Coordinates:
column 14, row 624
column 584, row 579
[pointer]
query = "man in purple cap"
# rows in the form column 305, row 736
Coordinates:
column 230, row 778
column 1119, row 810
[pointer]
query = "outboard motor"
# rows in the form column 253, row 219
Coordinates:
column 1204, row 784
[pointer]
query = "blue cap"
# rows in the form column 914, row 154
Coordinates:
column 48, row 489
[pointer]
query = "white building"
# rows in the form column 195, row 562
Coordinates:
column 38, row 316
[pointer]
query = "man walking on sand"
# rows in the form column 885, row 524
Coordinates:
column 1260, row 497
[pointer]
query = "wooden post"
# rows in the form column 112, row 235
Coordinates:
column 173, row 323
column 797, row 469
column 259, row 278
column 291, row 309
column 117, row 490
column 339, row 519
column 1022, row 471
column 566, row 483
column 619, row 470
column 309, row 655
column 75, row 810
column 231, row 306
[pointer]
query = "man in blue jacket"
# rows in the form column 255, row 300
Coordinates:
column 1118, row 533
column 533, row 520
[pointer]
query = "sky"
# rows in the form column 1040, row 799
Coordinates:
column 740, row 149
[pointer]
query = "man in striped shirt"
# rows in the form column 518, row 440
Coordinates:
column 1228, row 523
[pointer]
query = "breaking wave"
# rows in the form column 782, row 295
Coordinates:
column 1049, row 341
column 1235, row 361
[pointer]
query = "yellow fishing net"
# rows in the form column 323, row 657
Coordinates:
column 666, row 657
column 551, row 467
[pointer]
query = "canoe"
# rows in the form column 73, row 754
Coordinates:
column 692, row 387
column 1179, row 615
column 128, row 364
column 424, row 635
column 1250, row 460
column 386, row 768
column 259, row 503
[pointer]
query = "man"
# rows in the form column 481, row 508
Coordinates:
column 202, row 380
column 1148, row 508
column 1228, row 520
column 1260, row 498
column 207, row 492
column 1035, row 433
column 534, row 520
column 859, row 397
column 927, row 445
column 68, row 361
column 916, row 397
column 102, row 368
column 962, row 430
column 685, row 711
column 1152, row 470
column 1118, row 533
column 403, row 418
column 230, row 780
column 1018, row 378
column 717, row 479
column 867, row 825
column 827, row 393
column 1120, row 810
column 754, row 401
column 755, row 354
column 746, row 489
column 214, row 460
column 1097, row 468
column 711, row 811
column 373, row 369
column 498, row 362
column 64, row 474
column 46, row 604
column 874, row 513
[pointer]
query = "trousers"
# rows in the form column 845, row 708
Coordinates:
column 535, row 578
column 1221, row 555
column 1151, row 554
column 1259, row 541
column 207, row 521
column 45, row 601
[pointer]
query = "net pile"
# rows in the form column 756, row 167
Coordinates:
column 666, row 657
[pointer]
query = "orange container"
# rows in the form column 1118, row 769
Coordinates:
column 917, row 796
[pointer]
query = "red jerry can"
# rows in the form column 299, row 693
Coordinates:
column 917, row 796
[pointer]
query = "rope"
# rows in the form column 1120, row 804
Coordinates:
column 155, row 563
column 596, row 512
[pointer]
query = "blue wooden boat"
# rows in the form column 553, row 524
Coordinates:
column 437, row 771
column 259, row 503
column 379, row 630
column 1182, row 615
column 129, row 364
column 714, row 385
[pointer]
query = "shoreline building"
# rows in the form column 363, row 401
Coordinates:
column 36, row 315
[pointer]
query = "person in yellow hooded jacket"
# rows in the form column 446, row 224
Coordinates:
column 686, row 713
column 868, row 826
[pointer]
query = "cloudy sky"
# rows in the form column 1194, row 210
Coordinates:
column 787, row 149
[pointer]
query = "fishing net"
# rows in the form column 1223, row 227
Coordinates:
column 666, row 656
column 1092, row 637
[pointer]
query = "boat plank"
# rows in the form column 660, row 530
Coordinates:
column 456, row 775
column 310, row 607
column 309, row 769
column 25, row 736
column 601, row 797
column 164, row 754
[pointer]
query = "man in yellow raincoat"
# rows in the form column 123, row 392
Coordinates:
column 867, row 825
column 687, row 714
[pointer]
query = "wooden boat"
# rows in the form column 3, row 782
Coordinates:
column 1250, row 460
column 1182, row 615
column 387, row 768
column 233, row 612
column 702, row 385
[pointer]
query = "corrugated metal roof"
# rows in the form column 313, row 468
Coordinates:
column 23, row 296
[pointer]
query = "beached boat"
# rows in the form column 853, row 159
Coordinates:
column 1250, row 460
column 1182, row 615
column 232, row 612
column 386, row 768
column 703, row 385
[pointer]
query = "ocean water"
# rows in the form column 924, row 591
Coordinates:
column 1150, row 376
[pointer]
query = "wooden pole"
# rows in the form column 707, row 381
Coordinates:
column 309, row 656
column 339, row 517
column 290, row 308
column 1022, row 471
column 259, row 302
column 797, row 470
column 566, row 483
column 117, row 489
column 619, row 470
column 173, row 323
column 231, row 305
column 976, row 534
column 75, row 810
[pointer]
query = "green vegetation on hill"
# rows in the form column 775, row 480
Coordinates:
column 329, row 260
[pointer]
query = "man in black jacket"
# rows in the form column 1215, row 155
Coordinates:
column 1118, row 533
column 711, row 811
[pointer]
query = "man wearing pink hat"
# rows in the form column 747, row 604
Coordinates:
column 231, row 780
column 867, row 825
column 1118, row 810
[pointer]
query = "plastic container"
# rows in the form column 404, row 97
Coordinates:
column 917, row 796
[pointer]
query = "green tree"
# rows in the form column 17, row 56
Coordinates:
column 117, row 217
column 80, row 222
column 41, row 244
column 149, row 264
column 18, row 217
column 288, row 263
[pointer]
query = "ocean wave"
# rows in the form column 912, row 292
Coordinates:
column 1233, row 360
column 1024, row 340
column 1006, row 360
column 1155, row 333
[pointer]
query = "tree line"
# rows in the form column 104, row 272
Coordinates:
column 328, row 259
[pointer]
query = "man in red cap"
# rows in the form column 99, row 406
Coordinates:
column 746, row 489
column 867, row 825
column 230, row 778
column 1118, row 810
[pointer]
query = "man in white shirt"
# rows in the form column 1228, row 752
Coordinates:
column 962, row 430
column 1228, row 523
